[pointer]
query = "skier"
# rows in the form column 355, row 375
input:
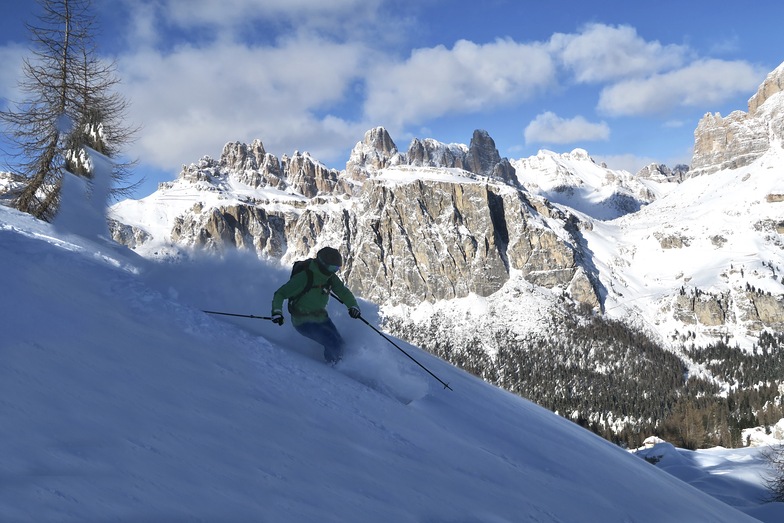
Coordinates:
column 307, row 292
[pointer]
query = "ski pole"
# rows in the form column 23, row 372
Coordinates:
column 239, row 315
column 446, row 385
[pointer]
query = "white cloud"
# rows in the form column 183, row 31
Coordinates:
column 11, row 56
column 193, row 100
column 469, row 77
column 702, row 83
column 602, row 53
column 230, row 12
column 550, row 128
column 258, row 20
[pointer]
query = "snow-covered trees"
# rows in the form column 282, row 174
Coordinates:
column 775, row 482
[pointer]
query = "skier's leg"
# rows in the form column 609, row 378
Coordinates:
column 325, row 333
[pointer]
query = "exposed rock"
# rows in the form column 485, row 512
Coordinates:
column 727, row 143
column 741, row 138
column 701, row 308
column 312, row 178
column 438, row 240
column 774, row 83
column 126, row 234
column 432, row 153
column 757, row 310
column 671, row 241
column 375, row 152
column 483, row 159
column 582, row 289
column 252, row 165
column 659, row 172
column 241, row 226
column 767, row 310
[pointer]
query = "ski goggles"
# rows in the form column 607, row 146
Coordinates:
column 332, row 268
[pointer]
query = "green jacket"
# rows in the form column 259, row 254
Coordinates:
column 312, row 306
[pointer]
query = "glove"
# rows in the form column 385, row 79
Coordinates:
column 277, row 318
column 354, row 312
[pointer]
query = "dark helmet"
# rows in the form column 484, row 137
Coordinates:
column 330, row 259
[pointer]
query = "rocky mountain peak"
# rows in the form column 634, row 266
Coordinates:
column 310, row 177
column 482, row 154
column 661, row 173
column 238, row 156
column 432, row 153
column 741, row 138
column 483, row 159
column 375, row 152
column 378, row 138
column 774, row 83
column 251, row 165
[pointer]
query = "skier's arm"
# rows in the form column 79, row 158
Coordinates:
column 342, row 292
column 291, row 288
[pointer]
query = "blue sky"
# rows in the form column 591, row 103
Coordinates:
column 626, row 81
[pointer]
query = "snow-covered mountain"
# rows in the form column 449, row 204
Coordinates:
column 701, row 259
column 576, row 182
column 121, row 400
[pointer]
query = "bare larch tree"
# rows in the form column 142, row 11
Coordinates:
column 70, row 104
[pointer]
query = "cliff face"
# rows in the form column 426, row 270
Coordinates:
column 741, row 137
column 412, row 227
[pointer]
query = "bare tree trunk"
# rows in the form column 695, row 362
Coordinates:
column 69, row 97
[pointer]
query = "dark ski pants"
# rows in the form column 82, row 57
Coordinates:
column 324, row 333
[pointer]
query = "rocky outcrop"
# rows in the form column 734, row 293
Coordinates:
column 773, row 84
column 252, row 165
column 432, row 153
column 436, row 240
column 404, row 242
column 701, row 308
column 741, row 138
column 127, row 235
column 236, row 226
column 411, row 242
column 658, row 172
column 375, row 152
column 755, row 309
column 483, row 159
column 727, row 143
column 764, row 311
column 311, row 178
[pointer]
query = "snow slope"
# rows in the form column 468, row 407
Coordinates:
column 726, row 228
column 121, row 400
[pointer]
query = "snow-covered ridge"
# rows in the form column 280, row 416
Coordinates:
column 576, row 181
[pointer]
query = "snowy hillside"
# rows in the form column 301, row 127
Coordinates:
column 717, row 238
column 575, row 181
column 121, row 400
